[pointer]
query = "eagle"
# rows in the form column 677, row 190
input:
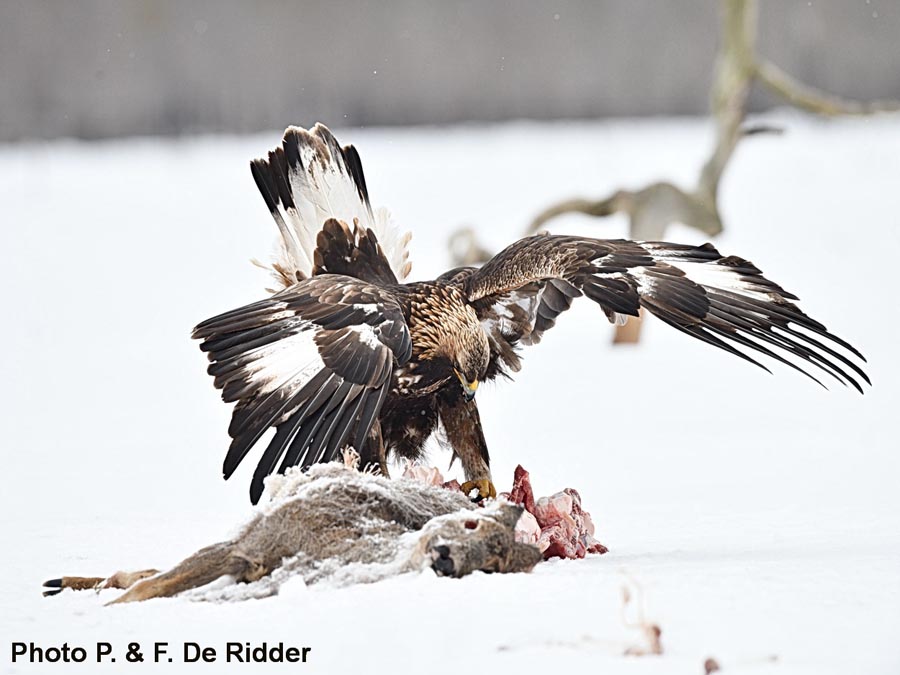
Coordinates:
column 346, row 352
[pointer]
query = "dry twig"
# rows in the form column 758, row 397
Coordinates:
column 651, row 632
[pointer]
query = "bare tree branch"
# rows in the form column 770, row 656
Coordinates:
column 465, row 248
column 732, row 80
column 653, row 208
column 803, row 96
column 603, row 207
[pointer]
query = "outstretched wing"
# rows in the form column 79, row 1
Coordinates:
column 724, row 301
column 311, row 179
column 314, row 361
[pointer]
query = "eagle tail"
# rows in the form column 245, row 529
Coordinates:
column 312, row 179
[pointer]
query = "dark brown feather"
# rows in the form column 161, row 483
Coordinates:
column 264, row 358
column 353, row 252
column 728, row 303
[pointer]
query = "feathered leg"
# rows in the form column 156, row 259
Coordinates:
column 373, row 455
column 462, row 423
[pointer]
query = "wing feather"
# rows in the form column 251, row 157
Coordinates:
column 723, row 301
column 313, row 361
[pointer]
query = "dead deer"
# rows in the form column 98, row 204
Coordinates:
column 319, row 522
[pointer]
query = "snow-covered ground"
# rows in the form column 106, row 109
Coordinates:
column 760, row 514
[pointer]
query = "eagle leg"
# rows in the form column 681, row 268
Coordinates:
column 374, row 456
column 462, row 424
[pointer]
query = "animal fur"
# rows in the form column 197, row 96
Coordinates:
column 334, row 524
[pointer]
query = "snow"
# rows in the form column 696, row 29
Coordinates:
column 759, row 514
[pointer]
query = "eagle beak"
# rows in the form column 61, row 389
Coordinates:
column 469, row 388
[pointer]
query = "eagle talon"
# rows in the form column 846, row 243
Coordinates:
column 485, row 487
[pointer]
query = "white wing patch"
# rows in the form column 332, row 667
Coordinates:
column 501, row 320
column 367, row 336
column 293, row 361
column 710, row 274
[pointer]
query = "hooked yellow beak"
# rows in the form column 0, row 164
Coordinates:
column 469, row 388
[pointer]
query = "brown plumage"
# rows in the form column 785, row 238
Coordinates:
column 348, row 354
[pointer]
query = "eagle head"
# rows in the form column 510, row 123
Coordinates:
column 453, row 341
column 469, row 356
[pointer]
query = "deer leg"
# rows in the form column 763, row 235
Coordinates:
column 205, row 566
column 118, row 580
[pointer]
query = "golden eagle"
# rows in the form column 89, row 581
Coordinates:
column 348, row 354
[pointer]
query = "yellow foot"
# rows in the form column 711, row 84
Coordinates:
column 484, row 486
